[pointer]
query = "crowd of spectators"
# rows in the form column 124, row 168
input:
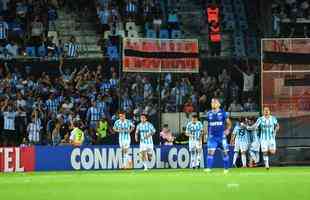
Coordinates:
column 25, row 27
column 41, row 109
column 294, row 12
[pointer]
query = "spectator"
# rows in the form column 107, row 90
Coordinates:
column 9, row 132
column 12, row 49
column 104, row 18
column 166, row 136
column 36, row 32
column 250, row 106
column 4, row 30
column 188, row 107
column 248, row 81
column 235, row 107
column 33, row 130
column 72, row 48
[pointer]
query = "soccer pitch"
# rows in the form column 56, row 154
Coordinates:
column 277, row 183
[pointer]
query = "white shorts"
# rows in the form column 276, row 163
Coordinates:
column 268, row 145
column 194, row 145
column 241, row 146
column 124, row 144
column 254, row 146
column 146, row 147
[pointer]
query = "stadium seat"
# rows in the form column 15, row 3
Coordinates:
column 164, row 34
column 150, row 33
column 121, row 33
column 54, row 35
column 112, row 53
column 131, row 26
column 42, row 51
column 30, row 51
column 132, row 34
column 176, row 34
column 107, row 34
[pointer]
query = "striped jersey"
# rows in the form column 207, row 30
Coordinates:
column 194, row 129
column 102, row 107
column 241, row 134
column 93, row 114
column 254, row 135
column 267, row 126
column 3, row 30
column 9, row 120
column 131, row 7
column 126, row 104
column 33, row 130
column 72, row 49
column 216, row 123
column 113, row 83
column 52, row 105
column 124, row 126
column 105, row 86
column 145, row 129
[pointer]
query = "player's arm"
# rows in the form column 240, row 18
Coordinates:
column 277, row 127
column 233, row 136
column 136, row 134
column 132, row 127
column 115, row 129
column 228, row 126
column 187, row 131
column 254, row 126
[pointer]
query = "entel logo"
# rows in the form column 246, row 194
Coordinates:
column 10, row 160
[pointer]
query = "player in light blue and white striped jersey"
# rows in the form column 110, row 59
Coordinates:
column 124, row 127
column 194, row 130
column 254, row 146
column 269, row 126
column 240, row 139
column 145, row 130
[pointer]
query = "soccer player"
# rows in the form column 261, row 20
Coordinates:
column 124, row 127
column 254, row 146
column 194, row 130
column 240, row 140
column 219, row 126
column 269, row 126
column 145, row 130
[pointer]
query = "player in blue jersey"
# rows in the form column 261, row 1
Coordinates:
column 269, row 126
column 145, row 130
column 240, row 140
column 254, row 146
column 124, row 127
column 194, row 131
column 219, row 126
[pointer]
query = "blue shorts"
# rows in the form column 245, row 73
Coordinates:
column 216, row 142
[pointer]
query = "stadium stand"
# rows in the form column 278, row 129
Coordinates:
column 51, row 31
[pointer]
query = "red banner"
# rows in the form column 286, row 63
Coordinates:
column 160, row 55
column 17, row 159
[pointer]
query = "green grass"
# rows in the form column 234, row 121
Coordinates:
column 278, row 183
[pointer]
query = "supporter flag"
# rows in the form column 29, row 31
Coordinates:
column 160, row 55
